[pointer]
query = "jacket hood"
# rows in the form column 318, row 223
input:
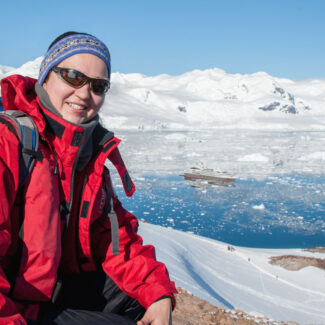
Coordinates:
column 18, row 93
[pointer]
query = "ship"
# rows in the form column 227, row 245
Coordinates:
column 208, row 174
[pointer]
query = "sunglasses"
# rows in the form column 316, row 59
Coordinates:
column 77, row 79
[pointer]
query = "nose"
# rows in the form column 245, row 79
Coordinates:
column 84, row 91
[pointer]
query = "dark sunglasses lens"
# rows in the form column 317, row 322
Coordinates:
column 100, row 86
column 73, row 77
column 78, row 79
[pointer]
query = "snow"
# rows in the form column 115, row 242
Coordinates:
column 246, row 125
column 254, row 157
column 30, row 68
column 5, row 69
column 211, row 99
column 242, row 278
column 315, row 155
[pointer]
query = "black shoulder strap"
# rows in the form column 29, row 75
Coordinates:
column 1, row 106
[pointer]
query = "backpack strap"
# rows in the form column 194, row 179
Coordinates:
column 26, row 131
column 24, row 128
column 1, row 105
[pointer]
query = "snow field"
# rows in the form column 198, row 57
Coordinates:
column 241, row 278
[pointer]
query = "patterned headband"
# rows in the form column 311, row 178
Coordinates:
column 70, row 45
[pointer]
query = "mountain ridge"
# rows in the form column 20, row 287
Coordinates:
column 208, row 98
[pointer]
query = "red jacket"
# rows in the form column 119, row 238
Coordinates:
column 53, row 193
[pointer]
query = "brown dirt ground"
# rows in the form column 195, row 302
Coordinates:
column 191, row 310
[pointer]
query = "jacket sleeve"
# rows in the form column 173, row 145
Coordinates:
column 135, row 270
column 9, row 178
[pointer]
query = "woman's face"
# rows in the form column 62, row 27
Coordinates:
column 77, row 105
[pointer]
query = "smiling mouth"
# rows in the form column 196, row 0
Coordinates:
column 77, row 107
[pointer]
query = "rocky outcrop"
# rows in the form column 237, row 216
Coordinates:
column 316, row 250
column 295, row 262
column 192, row 310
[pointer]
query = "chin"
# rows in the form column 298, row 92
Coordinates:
column 74, row 119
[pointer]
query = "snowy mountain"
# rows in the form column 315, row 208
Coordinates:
column 30, row 68
column 5, row 69
column 207, row 99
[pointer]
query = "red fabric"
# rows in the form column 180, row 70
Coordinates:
column 135, row 270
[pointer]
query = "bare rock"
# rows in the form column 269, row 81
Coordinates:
column 316, row 250
column 295, row 262
column 191, row 310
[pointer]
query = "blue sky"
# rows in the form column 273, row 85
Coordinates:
column 284, row 38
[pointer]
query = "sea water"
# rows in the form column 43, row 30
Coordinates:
column 276, row 201
column 278, row 212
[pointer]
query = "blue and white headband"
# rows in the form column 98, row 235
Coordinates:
column 71, row 45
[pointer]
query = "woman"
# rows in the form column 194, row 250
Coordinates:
column 80, row 259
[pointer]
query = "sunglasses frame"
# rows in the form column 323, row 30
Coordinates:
column 57, row 71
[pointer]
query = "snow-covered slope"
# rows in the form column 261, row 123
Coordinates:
column 5, row 69
column 241, row 278
column 207, row 99
column 30, row 68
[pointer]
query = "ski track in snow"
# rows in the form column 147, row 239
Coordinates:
column 281, row 280
column 205, row 268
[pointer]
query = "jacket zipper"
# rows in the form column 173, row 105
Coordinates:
column 58, row 284
column 77, row 221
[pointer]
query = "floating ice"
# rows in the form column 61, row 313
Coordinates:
column 258, row 207
column 254, row 157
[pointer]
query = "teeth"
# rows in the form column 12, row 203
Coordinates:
column 75, row 106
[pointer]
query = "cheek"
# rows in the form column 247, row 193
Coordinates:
column 99, row 101
column 55, row 91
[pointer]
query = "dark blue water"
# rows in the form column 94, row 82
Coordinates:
column 286, row 211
